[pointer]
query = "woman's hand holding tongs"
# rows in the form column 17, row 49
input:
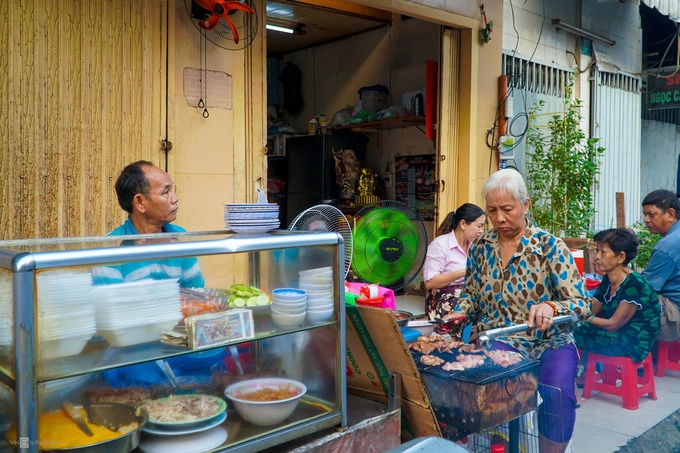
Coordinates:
column 540, row 316
column 454, row 320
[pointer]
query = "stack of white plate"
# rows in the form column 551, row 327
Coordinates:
column 66, row 319
column 137, row 312
column 288, row 307
column 251, row 217
column 318, row 284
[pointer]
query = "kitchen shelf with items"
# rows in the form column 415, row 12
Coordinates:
column 258, row 326
column 391, row 123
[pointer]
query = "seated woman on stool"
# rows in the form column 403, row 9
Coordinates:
column 444, row 268
column 625, row 308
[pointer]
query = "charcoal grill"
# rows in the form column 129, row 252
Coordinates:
column 472, row 400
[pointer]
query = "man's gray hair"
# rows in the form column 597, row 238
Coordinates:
column 508, row 180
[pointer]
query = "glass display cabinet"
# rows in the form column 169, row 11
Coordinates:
column 172, row 315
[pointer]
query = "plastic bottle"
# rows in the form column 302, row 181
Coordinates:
column 323, row 124
column 313, row 126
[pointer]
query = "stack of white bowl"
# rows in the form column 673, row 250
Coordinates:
column 318, row 283
column 66, row 320
column 289, row 307
column 137, row 312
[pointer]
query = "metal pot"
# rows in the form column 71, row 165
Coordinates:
column 402, row 317
column 113, row 415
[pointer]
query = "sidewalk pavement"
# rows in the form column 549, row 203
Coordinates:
column 604, row 426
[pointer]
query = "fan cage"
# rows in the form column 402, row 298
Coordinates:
column 330, row 219
column 390, row 244
column 246, row 25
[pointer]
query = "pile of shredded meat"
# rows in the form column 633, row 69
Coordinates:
column 504, row 358
column 127, row 395
column 425, row 345
column 431, row 360
column 467, row 354
column 182, row 408
column 453, row 366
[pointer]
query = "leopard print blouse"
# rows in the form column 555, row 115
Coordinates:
column 542, row 269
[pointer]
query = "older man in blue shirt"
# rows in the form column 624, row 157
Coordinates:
column 147, row 194
column 661, row 210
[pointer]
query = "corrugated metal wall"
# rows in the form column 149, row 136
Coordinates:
column 528, row 83
column 616, row 102
column 80, row 96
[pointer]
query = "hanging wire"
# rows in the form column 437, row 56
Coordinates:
column 205, row 79
column 677, row 57
column 200, row 104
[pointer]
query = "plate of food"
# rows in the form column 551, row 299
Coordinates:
column 197, row 428
column 183, row 412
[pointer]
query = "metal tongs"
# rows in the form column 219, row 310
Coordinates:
column 487, row 337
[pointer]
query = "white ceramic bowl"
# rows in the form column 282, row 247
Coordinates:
column 320, row 271
column 301, row 300
column 288, row 321
column 289, row 306
column 308, row 287
column 287, row 294
column 317, row 304
column 264, row 413
column 319, row 316
column 328, row 281
column 288, row 311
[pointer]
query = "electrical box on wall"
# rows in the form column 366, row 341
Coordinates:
column 506, row 150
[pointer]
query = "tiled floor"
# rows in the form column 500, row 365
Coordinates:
column 602, row 424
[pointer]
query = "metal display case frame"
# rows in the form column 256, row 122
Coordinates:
column 25, row 258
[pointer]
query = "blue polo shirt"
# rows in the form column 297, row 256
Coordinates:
column 663, row 270
column 185, row 270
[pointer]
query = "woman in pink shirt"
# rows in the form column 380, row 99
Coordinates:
column 445, row 263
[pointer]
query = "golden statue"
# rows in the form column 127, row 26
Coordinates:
column 368, row 182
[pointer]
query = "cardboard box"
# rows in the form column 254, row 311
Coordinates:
column 376, row 348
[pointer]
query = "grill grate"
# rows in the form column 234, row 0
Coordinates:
column 484, row 374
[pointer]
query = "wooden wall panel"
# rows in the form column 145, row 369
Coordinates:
column 80, row 98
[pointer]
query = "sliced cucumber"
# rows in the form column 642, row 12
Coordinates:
column 239, row 302
column 252, row 301
column 263, row 299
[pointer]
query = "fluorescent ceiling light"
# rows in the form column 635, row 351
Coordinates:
column 582, row 33
column 280, row 28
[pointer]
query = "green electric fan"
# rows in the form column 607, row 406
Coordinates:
column 390, row 244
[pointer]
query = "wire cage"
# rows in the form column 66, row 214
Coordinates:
column 522, row 435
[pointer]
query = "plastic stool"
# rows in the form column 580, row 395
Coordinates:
column 668, row 357
column 617, row 368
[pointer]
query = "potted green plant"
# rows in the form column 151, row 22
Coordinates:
column 647, row 241
column 561, row 169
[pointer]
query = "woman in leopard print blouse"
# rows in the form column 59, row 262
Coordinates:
column 519, row 273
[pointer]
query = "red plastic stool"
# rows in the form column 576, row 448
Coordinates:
column 668, row 357
column 617, row 368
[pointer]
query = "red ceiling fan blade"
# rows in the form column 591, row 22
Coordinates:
column 234, row 32
column 222, row 8
column 231, row 5
column 210, row 23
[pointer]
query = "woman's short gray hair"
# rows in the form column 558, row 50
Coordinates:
column 507, row 180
